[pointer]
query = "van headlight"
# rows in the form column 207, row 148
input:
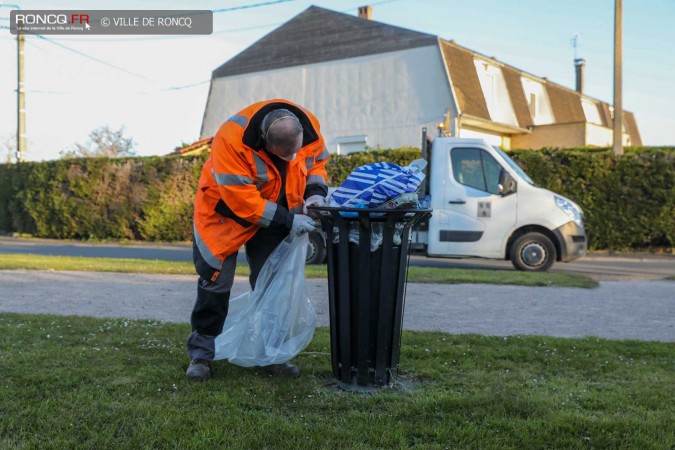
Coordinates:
column 570, row 209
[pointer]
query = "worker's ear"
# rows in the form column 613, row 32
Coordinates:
column 260, row 143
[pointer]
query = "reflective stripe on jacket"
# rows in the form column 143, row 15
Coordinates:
column 239, row 184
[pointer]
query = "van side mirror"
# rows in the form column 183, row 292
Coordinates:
column 507, row 185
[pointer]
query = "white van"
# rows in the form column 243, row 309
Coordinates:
column 485, row 206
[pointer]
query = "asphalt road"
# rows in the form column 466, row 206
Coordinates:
column 600, row 267
column 632, row 305
column 597, row 266
column 643, row 310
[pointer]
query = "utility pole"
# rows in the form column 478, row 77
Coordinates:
column 618, row 63
column 20, row 94
column 20, row 101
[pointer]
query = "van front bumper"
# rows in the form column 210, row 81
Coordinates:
column 573, row 241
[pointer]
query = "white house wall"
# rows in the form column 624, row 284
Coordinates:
column 386, row 97
column 599, row 136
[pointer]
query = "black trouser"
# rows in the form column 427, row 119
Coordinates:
column 213, row 297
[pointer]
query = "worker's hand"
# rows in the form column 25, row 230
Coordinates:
column 303, row 224
column 314, row 200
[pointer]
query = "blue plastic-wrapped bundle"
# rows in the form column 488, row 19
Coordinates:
column 380, row 185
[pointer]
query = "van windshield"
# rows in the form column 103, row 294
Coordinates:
column 514, row 166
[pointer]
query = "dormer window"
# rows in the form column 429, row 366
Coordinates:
column 532, row 104
column 537, row 101
column 591, row 111
column 494, row 90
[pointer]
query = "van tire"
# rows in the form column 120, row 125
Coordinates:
column 533, row 252
column 316, row 250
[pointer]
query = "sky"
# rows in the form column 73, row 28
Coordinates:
column 156, row 87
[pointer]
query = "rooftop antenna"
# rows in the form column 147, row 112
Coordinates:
column 576, row 43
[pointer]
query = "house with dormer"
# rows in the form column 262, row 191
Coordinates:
column 376, row 85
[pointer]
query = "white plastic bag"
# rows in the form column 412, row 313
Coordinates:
column 276, row 321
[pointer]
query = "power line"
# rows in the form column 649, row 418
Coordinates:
column 93, row 58
column 170, row 88
column 34, row 45
column 227, row 31
column 185, row 86
column 85, row 55
column 215, row 11
column 42, row 91
column 255, row 5
column 382, row 2
column 160, row 38
column 100, row 61
column 370, row 4
column 157, row 91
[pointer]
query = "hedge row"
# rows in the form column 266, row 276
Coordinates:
column 100, row 198
column 629, row 201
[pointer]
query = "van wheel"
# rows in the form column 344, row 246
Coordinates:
column 316, row 250
column 533, row 252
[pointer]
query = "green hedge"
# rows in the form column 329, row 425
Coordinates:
column 629, row 201
column 99, row 198
column 339, row 167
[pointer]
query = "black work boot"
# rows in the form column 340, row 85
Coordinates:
column 199, row 370
column 283, row 370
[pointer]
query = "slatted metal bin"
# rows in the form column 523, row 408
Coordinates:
column 366, row 290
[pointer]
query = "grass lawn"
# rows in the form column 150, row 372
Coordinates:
column 70, row 382
column 415, row 274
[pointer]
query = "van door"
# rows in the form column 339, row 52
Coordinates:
column 477, row 218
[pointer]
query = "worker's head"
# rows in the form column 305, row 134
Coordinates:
column 282, row 133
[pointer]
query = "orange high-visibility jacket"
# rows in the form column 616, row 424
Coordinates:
column 239, row 184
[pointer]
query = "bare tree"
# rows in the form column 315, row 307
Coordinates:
column 183, row 144
column 8, row 148
column 103, row 142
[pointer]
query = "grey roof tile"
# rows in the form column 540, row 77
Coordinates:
column 317, row 35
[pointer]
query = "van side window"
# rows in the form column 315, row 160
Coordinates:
column 492, row 169
column 475, row 168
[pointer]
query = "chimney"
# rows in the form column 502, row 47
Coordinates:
column 366, row 12
column 579, row 64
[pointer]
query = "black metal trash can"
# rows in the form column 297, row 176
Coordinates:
column 366, row 288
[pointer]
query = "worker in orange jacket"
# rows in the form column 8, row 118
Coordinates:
column 267, row 165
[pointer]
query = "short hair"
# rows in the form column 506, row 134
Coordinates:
column 280, row 138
